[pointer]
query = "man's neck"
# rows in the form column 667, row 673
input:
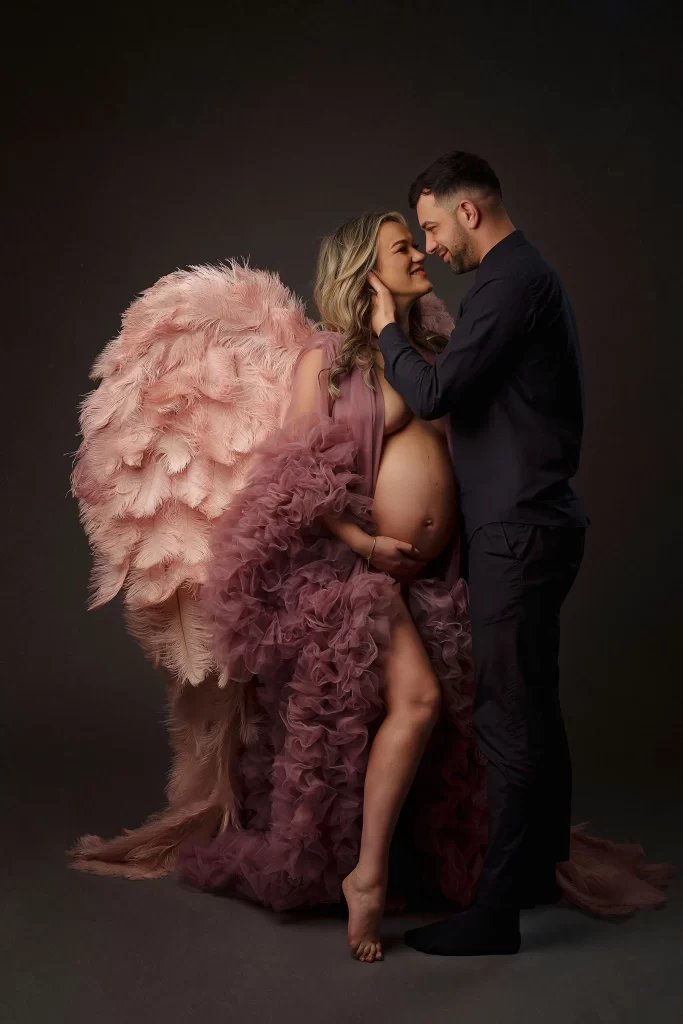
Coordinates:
column 495, row 233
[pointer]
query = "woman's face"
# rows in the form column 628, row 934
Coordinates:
column 400, row 264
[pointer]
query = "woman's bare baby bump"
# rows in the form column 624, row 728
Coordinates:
column 415, row 499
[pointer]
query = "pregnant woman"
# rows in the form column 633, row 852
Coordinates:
column 321, row 692
column 414, row 517
column 369, row 683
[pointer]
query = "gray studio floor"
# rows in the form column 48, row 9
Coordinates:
column 81, row 948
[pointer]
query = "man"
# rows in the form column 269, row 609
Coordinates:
column 510, row 379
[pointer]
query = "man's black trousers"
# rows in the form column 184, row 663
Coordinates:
column 518, row 576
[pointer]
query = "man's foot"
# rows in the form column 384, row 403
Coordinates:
column 477, row 931
column 365, row 901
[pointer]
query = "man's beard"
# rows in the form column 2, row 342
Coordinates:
column 463, row 259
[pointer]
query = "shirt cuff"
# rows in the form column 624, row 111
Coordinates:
column 392, row 330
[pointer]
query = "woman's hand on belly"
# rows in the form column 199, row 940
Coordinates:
column 397, row 558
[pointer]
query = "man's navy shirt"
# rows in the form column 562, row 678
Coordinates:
column 510, row 378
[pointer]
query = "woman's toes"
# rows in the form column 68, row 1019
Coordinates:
column 370, row 953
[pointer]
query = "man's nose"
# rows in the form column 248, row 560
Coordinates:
column 431, row 246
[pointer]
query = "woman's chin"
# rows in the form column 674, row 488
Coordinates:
column 420, row 286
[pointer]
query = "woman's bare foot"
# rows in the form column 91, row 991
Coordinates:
column 365, row 901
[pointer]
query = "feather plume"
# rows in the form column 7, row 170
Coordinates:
column 175, row 633
column 435, row 316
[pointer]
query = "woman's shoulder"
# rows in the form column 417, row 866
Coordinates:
column 318, row 353
column 327, row 341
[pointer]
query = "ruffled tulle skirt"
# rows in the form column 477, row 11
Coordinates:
column 266, row 792
column 300, row 781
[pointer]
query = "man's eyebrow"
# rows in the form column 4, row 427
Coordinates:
column 426, row 224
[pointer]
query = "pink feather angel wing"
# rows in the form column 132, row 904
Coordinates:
column 199, row 375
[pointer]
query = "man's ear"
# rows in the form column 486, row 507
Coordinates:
column 471, row 214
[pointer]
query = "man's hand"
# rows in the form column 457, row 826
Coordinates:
column 383, row 306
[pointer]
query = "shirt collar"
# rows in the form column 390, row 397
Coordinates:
column 501, row 249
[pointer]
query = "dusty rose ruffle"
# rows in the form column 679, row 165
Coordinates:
column 291, row 614
column 304, row 634
column 611, row 879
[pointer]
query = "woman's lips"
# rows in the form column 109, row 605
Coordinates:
column 422, row 272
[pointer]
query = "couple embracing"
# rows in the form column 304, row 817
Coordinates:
column 377, row 720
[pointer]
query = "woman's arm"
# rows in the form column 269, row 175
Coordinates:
column 388, row 555
column 307, row 402
column 350, row 533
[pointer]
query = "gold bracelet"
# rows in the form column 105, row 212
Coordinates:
column 372, row 551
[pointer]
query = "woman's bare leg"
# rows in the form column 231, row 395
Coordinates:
column 413, row 698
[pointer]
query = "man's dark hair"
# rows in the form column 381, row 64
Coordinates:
column 453, row 172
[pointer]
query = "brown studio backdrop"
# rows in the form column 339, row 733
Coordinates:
column 138, row 147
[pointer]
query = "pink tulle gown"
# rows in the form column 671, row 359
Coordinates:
column 266, row 791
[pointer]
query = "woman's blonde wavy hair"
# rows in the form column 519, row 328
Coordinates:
column 344, row 297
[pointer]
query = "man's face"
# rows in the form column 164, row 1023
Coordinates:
column 446, row 234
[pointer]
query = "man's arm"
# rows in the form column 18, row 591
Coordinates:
column 497, row 313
